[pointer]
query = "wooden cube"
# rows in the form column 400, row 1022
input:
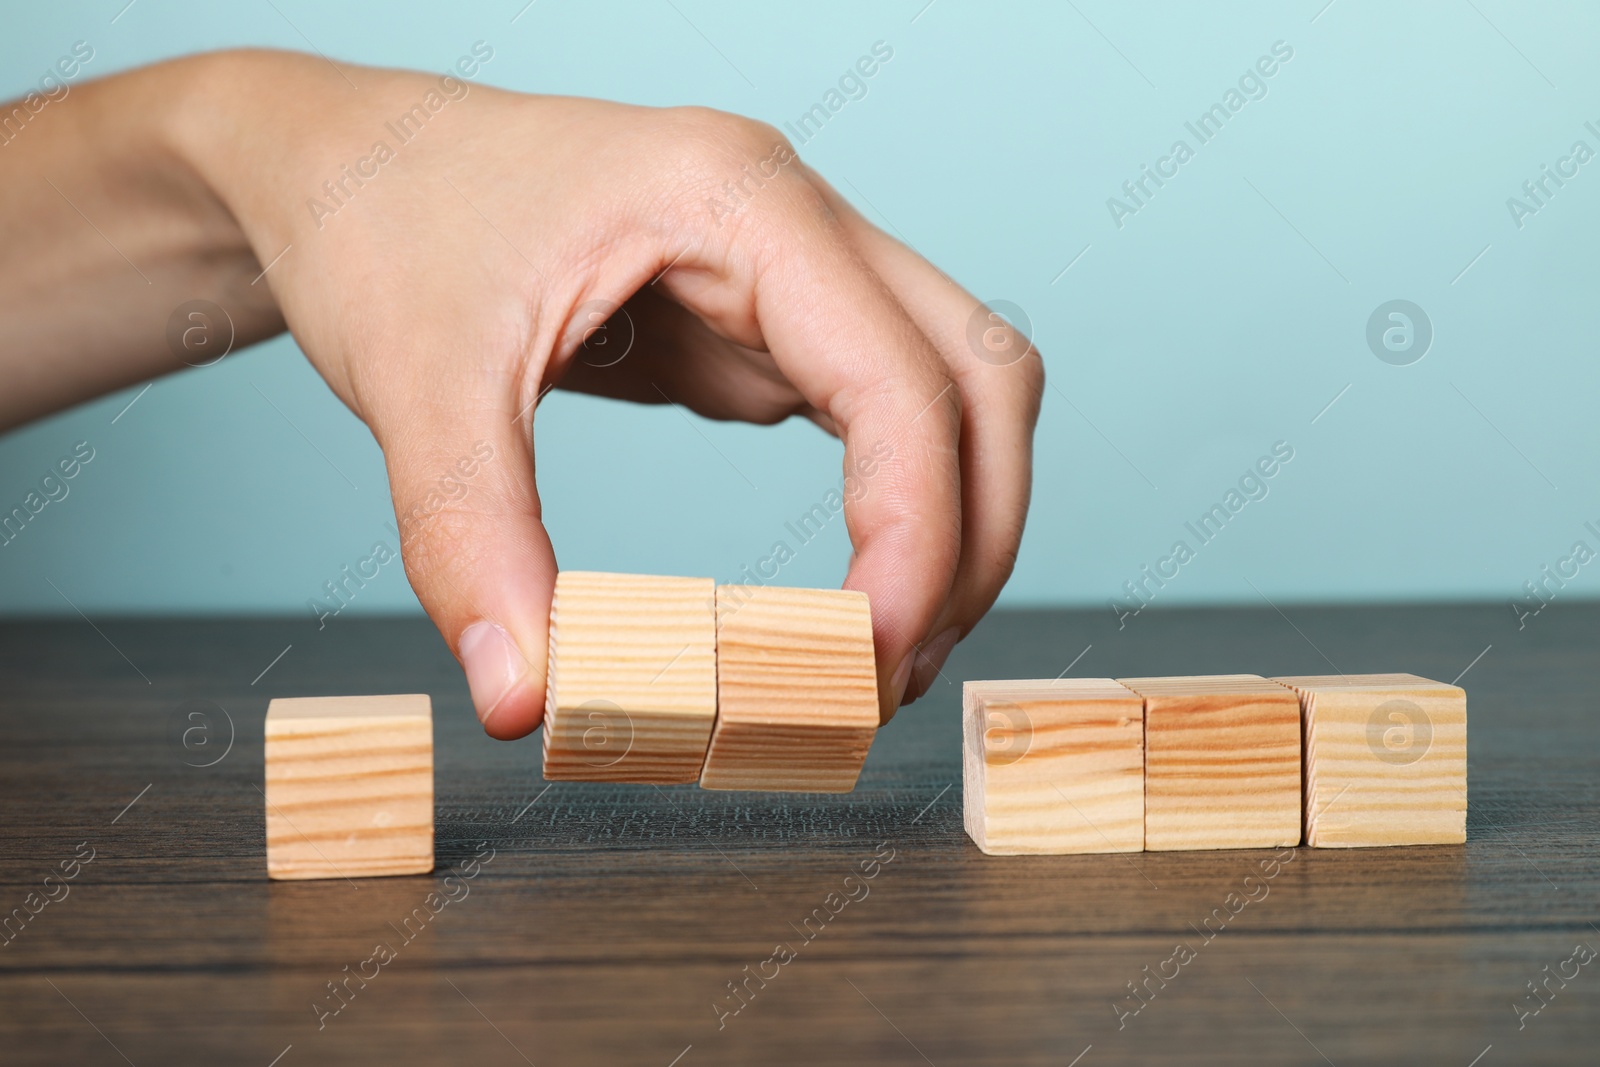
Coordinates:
column 349, row 786
column 1221, row 762
column 632, row 689
column 1386, row 760
column 797, row 690
column 1053, row 767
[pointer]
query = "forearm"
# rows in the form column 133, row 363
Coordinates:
column 109, row 228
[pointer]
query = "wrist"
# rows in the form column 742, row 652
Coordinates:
column 219, row 134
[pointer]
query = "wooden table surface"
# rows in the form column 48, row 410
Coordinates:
column 606, row 923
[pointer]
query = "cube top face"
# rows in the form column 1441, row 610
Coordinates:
column 1199, row 685
column 1371, row 683
column 643, row 642
column 632, row 686
column 349, row 786
column 289, row 712
column 1222, row 762
column 1053, row 767
column 797, row 690
column 795, row 654
column 1386, row 760
column 1074, row 689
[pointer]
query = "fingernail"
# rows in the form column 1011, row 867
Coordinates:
column 902, row 674
column 929, row 659
column 493, row 665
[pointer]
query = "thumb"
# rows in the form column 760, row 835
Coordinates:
column 477, row 553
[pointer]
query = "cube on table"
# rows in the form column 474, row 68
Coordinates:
column 1222, row 762
column 349, row 786
column 1385, row 760
column 1053, row 767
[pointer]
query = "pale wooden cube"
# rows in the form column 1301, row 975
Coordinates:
column 1221, row 762
column 1053, row 767
column 632, row 688
column 349, row 786
column 1386, row 760
column 797, row 690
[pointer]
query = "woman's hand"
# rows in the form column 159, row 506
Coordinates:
column 452, row 250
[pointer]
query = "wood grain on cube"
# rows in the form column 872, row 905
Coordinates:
column 632, row 690
column 797, row 690
column 1222, row 762
column 1386, row 760
column 349, row 786
column 1053, row 767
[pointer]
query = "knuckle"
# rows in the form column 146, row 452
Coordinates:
column 893, row 396
column 719, row 136
column 739, row 170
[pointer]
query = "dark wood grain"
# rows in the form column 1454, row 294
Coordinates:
column 611, row 918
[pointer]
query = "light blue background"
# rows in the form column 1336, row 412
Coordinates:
column 1179, row 348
